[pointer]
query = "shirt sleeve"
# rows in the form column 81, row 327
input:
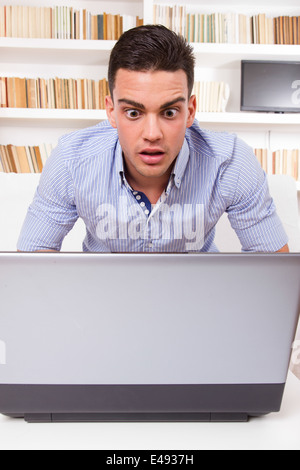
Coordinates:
column 52, row 213
column 251, row 210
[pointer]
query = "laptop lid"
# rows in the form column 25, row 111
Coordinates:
column 150, row 320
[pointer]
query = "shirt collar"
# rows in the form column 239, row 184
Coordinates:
column 181, row 164
column 178, row 171
column 120, row 163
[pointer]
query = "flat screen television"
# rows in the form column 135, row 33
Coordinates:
column 270, row 86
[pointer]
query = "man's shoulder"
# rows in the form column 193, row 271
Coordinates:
column 89, row 141
column 220, row 146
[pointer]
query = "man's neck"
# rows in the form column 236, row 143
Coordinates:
column 151, row 187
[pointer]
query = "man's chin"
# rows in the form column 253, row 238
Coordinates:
column 153, row 171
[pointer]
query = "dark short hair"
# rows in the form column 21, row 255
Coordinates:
column 152, row 48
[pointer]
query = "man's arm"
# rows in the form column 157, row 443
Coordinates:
column 250, row 207
column 285, row 249
column 40, row 251
column 53, row 212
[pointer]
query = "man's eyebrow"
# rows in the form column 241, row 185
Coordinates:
column 137, row 105
column 171, row 103
column 134, row 104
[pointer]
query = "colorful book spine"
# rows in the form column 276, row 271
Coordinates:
column 26, row 159
column 212, row 97
column 61, row 22
column 230, row 28
column 52, row 93
column 280, row 162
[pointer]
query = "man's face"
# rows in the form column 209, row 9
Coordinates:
column 151, row 111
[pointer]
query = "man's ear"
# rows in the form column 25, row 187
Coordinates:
column 110, row 111
column 192, row 108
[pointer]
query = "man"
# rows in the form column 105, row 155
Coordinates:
column 150, row 180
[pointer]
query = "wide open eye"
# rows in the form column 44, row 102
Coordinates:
column 170, row 113
column 132, row 113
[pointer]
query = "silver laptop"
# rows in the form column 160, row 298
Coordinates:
column 159, row 337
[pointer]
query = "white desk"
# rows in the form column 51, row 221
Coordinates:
column 275, row 431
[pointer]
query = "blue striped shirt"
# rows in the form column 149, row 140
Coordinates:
column 214, row 173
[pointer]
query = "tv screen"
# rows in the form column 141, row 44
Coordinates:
column 271, row 86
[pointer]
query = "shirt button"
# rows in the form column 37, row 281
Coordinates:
column 150, row 245
column 138, row 198
column 142, row 204
column 135, row 193
column 147, row 212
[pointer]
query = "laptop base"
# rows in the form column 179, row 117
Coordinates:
column 135, row 417
column 139, row 403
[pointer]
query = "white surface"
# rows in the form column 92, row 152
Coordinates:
column 273, row 432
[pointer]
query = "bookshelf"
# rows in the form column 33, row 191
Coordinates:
column 33, row 58
column 50, row 58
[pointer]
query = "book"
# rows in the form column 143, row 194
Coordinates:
column 280, row 162
column 230, row 28
column 24, row 159
column 212, row 97
column 53, row 93
column 62, row 22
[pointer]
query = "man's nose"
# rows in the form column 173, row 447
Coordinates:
column 152, row 130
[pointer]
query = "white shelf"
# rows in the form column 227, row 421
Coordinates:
column 50, row 117
column 68, row 52
column 14, row 116
column 247, row 121
column 230, row 55
column 55, row 51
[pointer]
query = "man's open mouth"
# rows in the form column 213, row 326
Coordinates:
column 152, row 153
column 152, row 157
